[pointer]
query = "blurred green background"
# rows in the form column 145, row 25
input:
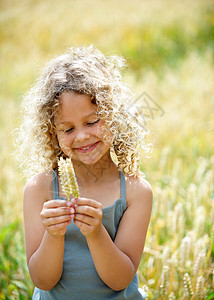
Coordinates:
column 169, row 49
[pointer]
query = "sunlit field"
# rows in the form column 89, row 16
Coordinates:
column 169, row 50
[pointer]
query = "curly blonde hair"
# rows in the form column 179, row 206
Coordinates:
column 83, row 70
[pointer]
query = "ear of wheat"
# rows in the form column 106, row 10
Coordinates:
column 68, row 178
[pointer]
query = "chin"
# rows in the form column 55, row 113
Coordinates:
column 86, row 160
column 89, row 161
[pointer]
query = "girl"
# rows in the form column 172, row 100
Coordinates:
column 90, row 247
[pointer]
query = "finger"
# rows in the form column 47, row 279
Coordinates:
column 57, row 203
column 84, row 219
column 58, row 228
column 85, row 228
column 57, row 220
column 55, row 212
column 82, row 225
column 86, row 210
column 89, row 202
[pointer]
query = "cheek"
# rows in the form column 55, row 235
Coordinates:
column 64, row 141
column 106, row 134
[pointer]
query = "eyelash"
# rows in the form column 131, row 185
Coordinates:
column 93, row 122
column 88, row 124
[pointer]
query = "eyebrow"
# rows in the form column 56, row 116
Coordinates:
column 85, row 117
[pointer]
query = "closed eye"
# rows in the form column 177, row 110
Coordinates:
column 69, row 130
column 90, row 124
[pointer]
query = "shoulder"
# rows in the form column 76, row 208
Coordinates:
column 138, row 190
column 39, row 185
column 136, row 218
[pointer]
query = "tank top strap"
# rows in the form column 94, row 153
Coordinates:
column 55, row 184
column 123, row 189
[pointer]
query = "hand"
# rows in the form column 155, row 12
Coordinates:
column 88, row 216
column 56, row 215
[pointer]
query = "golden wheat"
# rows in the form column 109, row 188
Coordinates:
column 188, row 292
column 68, row 178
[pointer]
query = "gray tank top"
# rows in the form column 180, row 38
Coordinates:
column 80, row 280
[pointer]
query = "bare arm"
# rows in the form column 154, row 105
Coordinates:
column 117, row 262
column 45, row 226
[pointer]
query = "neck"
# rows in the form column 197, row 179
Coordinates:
column 89, row 174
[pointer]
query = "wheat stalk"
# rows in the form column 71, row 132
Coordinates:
column 199, row 293
column 199, row 262
column 185, row 250
column 188, row 292
column 172, row 296
column 68, row 178
column 164, row 281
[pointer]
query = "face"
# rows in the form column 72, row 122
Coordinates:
column 80, row 131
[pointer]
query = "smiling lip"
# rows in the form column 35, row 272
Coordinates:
column 87, row 148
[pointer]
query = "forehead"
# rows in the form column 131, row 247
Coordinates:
column 76, row 106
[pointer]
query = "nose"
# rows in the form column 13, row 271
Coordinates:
column 81, row 135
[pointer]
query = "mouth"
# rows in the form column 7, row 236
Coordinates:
column 87, row 148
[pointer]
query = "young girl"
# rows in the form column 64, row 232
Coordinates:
column 89, row 247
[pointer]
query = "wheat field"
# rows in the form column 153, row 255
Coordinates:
column 169, row 50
